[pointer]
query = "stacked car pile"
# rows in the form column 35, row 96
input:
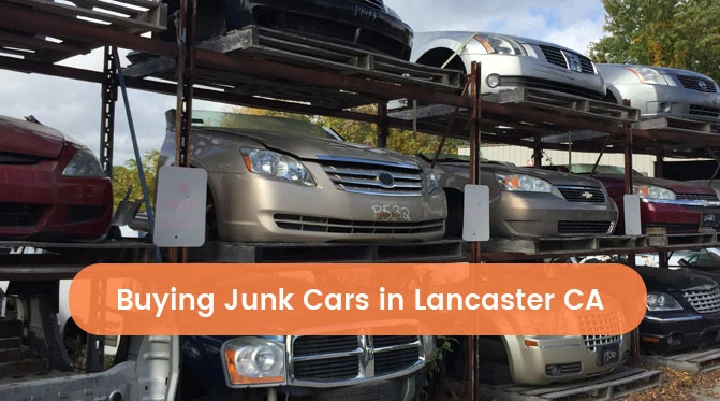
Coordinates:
column 276, row 180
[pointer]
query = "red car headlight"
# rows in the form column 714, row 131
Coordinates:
column 84, row 164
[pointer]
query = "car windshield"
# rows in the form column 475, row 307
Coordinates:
column 601, row 169
column 252, row 122
column 703, row 259
column 446, row 157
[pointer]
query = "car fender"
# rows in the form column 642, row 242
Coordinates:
column 451, row 44
column 614, row 91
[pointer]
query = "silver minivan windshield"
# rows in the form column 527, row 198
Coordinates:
column 252, row 122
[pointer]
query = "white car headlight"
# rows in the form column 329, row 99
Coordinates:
column 653, row 192
column 647, row 75
column 431, row 181
column 661, row 302
column 84, row 164
column 254, row 361
column 521, row 182
column 500, row 44
column 429, row 347
column 273, row 164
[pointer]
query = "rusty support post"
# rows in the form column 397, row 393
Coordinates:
column 629, row 162
column 185, row 73
column 382, row 125
column 660, row 164
column 109, row 96
column 474, row 247
column 635, row 337
column 95, row 345
column 537, row 152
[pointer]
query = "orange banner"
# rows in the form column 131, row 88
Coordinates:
column 358, row 298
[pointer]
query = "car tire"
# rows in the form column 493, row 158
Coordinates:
column 455, row 213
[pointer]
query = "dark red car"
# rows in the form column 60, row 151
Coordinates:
column 679, row 207
column 52, row 188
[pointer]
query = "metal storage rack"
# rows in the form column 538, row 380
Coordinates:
column 329, row 78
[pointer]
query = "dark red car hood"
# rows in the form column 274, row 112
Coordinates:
column 31, row 139
column 675, row 186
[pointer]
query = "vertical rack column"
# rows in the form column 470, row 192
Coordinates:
column 382, row 125
column 186, row 74
column 474, row 247
column 107, row 117
column 629, row 190
column 95, row 345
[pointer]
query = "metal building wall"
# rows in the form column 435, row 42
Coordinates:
column 521, row 156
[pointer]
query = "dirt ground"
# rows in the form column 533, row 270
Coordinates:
column 681, row 386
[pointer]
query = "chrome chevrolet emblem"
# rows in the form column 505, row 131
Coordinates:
column 587, row 195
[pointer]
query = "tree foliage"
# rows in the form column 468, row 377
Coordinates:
column 401, row 141
column 662, row 33
column 127, row 175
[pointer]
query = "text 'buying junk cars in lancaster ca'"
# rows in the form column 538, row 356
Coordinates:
column 316, row 300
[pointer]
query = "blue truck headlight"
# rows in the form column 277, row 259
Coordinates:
column 253, row 362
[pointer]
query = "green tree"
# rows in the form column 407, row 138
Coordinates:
column 662, row 33
column 127, row 175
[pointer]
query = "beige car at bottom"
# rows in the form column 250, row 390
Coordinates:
column 275, row 179
column 543, row 360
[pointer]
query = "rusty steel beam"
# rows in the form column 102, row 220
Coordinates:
column 19, row 19
column 26, row 20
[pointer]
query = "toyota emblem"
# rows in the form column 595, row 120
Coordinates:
column 386, row 179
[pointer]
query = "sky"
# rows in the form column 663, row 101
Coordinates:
column 74, row 107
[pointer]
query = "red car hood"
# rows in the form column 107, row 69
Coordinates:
column 675, row 186
column 31, row 139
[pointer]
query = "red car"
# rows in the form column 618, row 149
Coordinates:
column 52, row 188
column 679, row 207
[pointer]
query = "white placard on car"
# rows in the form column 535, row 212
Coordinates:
column 633, row 217
column 476, row 221
column 181, row 207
